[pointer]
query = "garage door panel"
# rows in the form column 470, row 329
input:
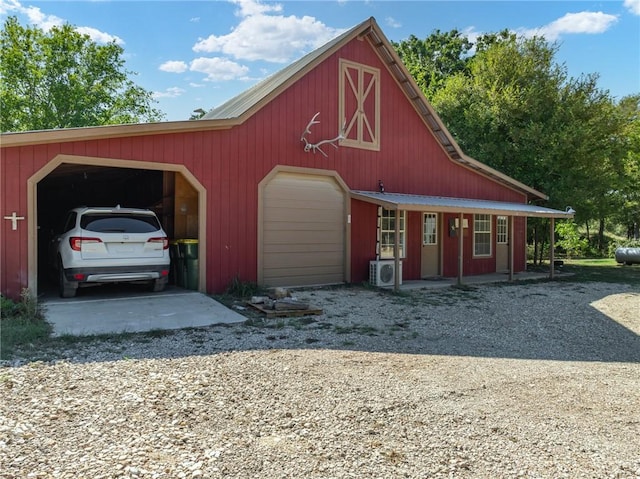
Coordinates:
column 305, row 277
column 291, row 260
column 325, row 228
column 292, row 185
column 298, row 248
column 293, row 205
column 303, row 230
column 299, row 215
column 310, row 238
column 310, row 197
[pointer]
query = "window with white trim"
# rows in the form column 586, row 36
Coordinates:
column 388, row 233
column 502, row 230
column 430, row 229
column 359, row 105
column 482, row 235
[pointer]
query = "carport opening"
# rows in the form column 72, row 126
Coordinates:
column 167, row 193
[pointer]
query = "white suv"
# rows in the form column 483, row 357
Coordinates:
column 110, row 245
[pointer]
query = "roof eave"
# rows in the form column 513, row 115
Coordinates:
column 110, row 131
column 258, row 103
column 412, row 91
column 515, row 210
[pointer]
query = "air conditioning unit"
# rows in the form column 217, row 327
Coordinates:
column 382, row 272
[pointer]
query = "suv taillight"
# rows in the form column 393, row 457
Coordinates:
column 76, row 242
column 164, row 240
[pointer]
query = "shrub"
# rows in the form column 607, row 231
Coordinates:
column 242, row 289
column 622, row 244
column 570, row 240
column 22, row 324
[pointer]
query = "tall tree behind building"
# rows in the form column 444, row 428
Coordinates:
column 63, row 79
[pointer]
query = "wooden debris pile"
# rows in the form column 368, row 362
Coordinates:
column 280, row 303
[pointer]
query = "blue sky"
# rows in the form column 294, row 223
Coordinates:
column 198, row 54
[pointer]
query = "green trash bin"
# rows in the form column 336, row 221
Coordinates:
column 188, row 250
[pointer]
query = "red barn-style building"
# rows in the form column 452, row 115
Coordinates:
column 335, row 169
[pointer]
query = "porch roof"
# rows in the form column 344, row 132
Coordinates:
column 441, row 204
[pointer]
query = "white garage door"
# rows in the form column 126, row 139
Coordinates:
column 303, row 231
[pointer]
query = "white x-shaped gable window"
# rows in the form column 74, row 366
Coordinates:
column 360, row 105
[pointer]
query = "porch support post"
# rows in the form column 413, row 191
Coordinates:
column 396, row 253
column 460, row 244
column 552, row 236
column 511, row 246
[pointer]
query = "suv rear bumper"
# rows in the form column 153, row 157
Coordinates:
column 117, row 274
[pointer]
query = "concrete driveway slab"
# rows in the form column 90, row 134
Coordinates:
column 92, row 315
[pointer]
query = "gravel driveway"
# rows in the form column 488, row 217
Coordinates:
column 500, row 381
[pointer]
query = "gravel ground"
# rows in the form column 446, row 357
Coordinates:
column 501, row 381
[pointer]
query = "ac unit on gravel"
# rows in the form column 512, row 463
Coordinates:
column 382, row 272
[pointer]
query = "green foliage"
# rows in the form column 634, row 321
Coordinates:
column 511, row 105
column 432, row 60
column 62, row 79
column 570, row 239
column 27, row 308
column 600, row 270
column 21, row 324
column 242, row 289
column 621, row 244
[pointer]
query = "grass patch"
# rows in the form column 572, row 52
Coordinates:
column 357, row 329
column 21, row 333
column 243, row 289
column 601, row 270
column 22, row 324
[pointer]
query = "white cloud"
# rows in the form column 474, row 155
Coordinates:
column 633, row 6
column 392, row 22
column 47, row 22
column 173, row 66
column 571, row 23
column 249, row 8
column 169, row 93
column 273, row 38
column 98, row 36
column 7, row 6
column 219, row 69
column 36, row 17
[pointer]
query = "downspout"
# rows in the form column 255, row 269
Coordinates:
column 460, row 244
column 511, row 246
column 552, row 228
column 396, row 253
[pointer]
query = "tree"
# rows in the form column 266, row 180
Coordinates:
column 513, row 107
column 503, row 112
column 628, row 194
column 432, row 60
column 62, row 79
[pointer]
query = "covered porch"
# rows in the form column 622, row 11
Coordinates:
column 459, row 207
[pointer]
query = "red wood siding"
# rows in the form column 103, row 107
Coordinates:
column 364, row 224
column 13, row 244
column 231, row 163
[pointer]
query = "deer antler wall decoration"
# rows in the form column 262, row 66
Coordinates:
column 308, row 146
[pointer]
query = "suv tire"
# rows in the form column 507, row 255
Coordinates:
column 158, row 285
column 66, row 288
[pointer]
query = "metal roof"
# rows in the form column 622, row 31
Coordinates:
column 248, row 102
column 236, row 110
column 262, row 92
column 444, row 204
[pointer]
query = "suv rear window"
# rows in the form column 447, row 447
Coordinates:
column 119, row 223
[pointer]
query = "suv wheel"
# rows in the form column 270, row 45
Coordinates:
column 158, row 285
column 66, row 288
